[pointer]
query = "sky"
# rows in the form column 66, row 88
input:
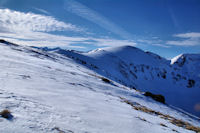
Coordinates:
column 165, row 27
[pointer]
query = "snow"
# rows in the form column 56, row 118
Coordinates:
column 128, row 54
column 189, row 63
column 54, row 93
column 146, row 71
column 173, row 60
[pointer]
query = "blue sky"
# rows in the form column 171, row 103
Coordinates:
column 166, row 27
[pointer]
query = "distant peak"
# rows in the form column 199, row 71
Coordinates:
column 122, row 48
column 127, row 47
column 173, row 60
column 182, row 58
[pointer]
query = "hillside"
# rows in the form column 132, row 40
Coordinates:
column 48, row 92
column 177, row 79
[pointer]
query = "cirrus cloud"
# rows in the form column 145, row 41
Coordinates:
column 186, row 39
column 95, row 17
column 188, row 35
column 15, row 21
column 34, row 30
column 49, row 40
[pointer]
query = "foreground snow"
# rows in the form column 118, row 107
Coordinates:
column 51, row 93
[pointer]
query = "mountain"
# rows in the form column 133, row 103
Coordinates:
column 46, row 91
column 178, row 80
column 189, row 64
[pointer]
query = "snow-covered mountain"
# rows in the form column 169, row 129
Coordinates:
column 178, row 80
column 48, row 92
column 189, row 64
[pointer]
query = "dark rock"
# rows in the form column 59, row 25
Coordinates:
column 105, row 80
column 6, row 114
column 159, row 98
column 191, row 83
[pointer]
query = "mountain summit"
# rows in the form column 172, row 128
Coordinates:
column 68, row 91
column 177, row 79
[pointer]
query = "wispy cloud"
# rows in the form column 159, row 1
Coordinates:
column 49, row 40
column 42, row 10
column 93, row 16
column 15, row 21
column 174, row 18
column 34, row 30
column 155, row 41
column 188, row 35
column 186, row 39
column 40, row 39
column 109, row 42
column 161, row 45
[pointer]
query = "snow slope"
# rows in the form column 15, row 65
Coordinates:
column 146, row 71
column 48, row 92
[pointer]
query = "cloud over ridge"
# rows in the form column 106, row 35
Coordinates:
column 34, row 30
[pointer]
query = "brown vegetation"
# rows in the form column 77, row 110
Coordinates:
column 6, row 114
column 177, row 122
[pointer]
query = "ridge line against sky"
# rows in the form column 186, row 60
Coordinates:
column 39, row 26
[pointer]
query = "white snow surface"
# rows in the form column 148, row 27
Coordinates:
column 48, row 92
column 178, row 80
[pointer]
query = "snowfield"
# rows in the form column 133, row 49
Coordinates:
column 51, row 93
column 178, row 80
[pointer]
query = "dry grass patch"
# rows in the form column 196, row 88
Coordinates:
column 185, row 125
column 177, row 122
column 163, row 125
column 6, row 114
column 146, row 110
column 141, row 118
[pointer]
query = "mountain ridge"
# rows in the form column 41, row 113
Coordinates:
column 48, row 92
column 144, row 71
